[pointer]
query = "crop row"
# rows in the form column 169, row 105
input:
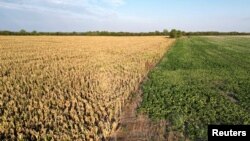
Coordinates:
column 200, row 81
column 69, row 88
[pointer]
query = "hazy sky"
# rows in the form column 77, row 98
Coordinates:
column 125, row 15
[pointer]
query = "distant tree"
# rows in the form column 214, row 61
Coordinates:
column 178, row 33
column 183, row 33
column 157, row 32
column 165, row 32
column 34, row 32
column 22, row 31
column 173, row 33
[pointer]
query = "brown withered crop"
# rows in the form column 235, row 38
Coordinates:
column 69, row 88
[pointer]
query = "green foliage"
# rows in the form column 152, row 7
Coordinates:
column 200, row 81
column 176, row 33
column 212, row 33
column 22, row 31
column 89, row 33
column 34, row 32
column 179, row 33
column 173, row 33
column 165, row 32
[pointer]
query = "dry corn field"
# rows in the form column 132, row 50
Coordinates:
column 70, row 88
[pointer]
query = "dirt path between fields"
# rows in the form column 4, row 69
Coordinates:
column 134, row 126
column 138, row 127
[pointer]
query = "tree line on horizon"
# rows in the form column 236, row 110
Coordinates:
column 174, row 33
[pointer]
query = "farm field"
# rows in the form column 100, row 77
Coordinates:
column 69, row 88
column 200, row 81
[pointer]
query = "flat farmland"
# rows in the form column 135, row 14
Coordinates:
column 200, row 81
column 68, row 88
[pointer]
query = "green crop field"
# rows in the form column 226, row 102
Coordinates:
column 201, row 81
